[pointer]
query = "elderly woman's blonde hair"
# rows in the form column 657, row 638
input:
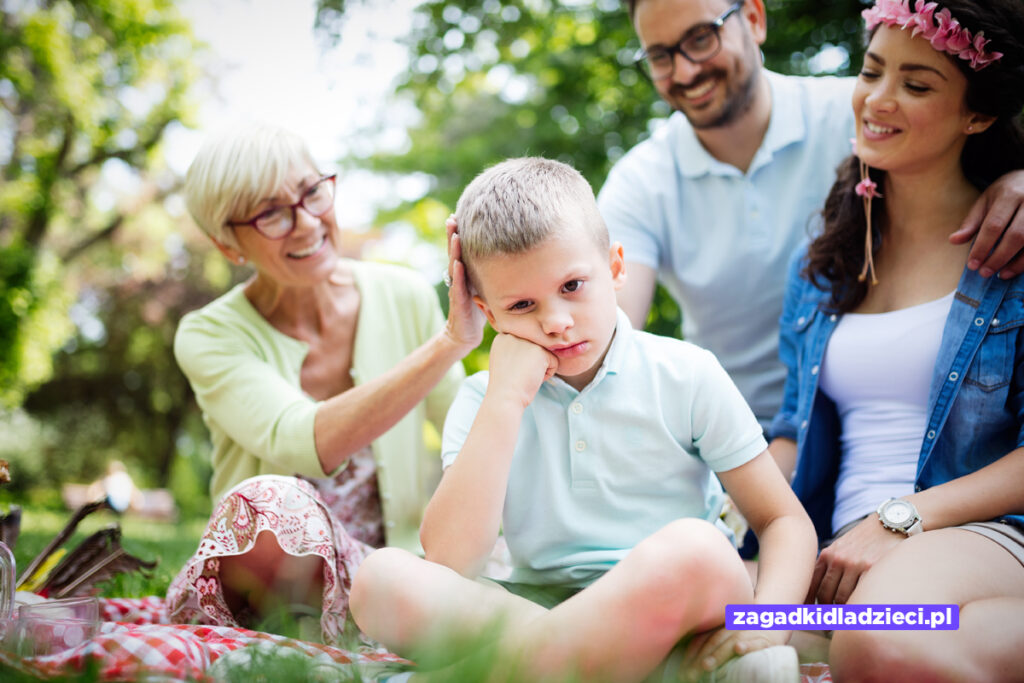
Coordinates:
column 517, row 204
column 235, row 170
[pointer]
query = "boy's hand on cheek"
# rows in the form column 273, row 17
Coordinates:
column 518, row 367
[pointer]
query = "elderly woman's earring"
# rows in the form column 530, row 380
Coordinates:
column 240, row 261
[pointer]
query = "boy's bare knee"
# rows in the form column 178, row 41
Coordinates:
column 692, row 547
column 690, row 559
column 378, row 584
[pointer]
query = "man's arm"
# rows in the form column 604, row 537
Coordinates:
column 783, row 450
column 997, row 218
column 637, row 293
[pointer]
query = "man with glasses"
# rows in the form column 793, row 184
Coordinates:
column 718, row 198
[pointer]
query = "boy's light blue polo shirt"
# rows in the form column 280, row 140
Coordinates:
column 597, row 471
column 721, row 239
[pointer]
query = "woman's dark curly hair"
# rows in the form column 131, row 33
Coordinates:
column 836, row 257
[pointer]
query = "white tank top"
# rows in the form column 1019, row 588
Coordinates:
column 878, row 370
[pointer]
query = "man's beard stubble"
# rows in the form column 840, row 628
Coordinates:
column 738, row 104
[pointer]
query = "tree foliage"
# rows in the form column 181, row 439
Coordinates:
column 86, row 88
column 502, row 78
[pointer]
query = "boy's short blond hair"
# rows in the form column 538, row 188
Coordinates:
column 235, row 170
column 517, row 204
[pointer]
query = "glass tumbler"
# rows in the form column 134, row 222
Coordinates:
column 6, row 588
column 48, row 627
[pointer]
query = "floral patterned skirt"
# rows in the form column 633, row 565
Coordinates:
column 295, row 511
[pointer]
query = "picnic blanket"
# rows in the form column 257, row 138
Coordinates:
column 135, row 642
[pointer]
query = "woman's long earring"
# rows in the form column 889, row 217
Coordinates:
column 868, row 189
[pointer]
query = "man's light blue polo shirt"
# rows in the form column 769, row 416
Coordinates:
column 597, row 471
column 720, row 239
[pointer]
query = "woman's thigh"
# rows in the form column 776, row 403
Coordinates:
column 943, row 566
column 946, row 566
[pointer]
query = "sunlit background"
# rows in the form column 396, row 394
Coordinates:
column 103, row 105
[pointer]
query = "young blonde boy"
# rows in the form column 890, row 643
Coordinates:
column 594, row 447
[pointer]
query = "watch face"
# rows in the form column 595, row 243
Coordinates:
column 898, row 513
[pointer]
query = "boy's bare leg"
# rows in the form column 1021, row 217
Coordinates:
column 945, row 566
column 405, row 602
column 675, row 582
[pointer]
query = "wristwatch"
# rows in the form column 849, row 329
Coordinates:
column 900, row 515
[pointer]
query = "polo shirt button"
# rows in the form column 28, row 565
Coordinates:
column 803, row 425
column 581, row 445
column 800, row 320
column 577, row 408
column 390, row 524
column 931, row 433
column 814, row 370
column 953, row 376
column 979, row 321
column 833, row 317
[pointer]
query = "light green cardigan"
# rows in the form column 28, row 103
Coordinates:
column 245, row 375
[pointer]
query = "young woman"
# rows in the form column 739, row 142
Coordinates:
column 904, row 407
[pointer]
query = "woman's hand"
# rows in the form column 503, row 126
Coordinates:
column 465, row 319
column 840, row 566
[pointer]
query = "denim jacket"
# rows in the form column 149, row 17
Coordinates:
column 975, row 405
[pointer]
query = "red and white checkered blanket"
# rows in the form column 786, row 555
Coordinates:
column 135, row 642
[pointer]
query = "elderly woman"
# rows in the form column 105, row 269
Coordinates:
column 315, row 377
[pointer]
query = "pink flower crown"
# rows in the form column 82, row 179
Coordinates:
column 943, row 31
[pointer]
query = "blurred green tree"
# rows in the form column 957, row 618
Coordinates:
column 87, row 90
column 502, row 78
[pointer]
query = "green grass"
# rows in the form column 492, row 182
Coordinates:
column 168, row 543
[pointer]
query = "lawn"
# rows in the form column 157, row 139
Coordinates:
column 168, row 543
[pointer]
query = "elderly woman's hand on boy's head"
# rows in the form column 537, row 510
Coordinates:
column 465, row 319
column 841, row 565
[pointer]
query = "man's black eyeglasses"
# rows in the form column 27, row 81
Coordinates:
column 701, row 43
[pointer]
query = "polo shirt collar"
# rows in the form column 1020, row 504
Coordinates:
column 621, row 342
column 785, row 127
